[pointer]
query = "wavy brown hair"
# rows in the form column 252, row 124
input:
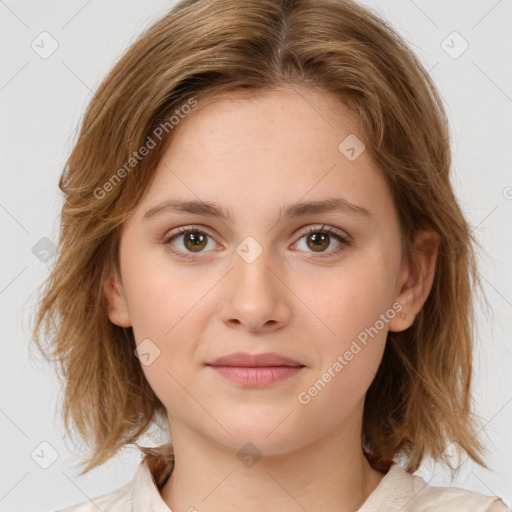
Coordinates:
column 420, row 399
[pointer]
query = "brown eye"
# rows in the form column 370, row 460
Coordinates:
column 194, row 241
column 320, row 239
column 189, row 241
column 318, row 242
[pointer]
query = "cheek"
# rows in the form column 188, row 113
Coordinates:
column 167, row 320
column 353, row 313
column 162, row 296
column 352, row 299
column 347, row 367
column 168, row 316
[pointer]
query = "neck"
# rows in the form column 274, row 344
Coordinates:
column 329, row 474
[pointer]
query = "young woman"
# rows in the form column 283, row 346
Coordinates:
column 260, row 243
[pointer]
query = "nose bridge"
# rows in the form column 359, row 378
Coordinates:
column 255, row 295
column 253, row 261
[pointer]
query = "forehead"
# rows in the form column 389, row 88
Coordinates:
column 280, row 147
column 260, row 116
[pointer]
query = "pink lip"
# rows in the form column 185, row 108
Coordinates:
column 256, row 377
column 256, row 370
column 254, row 360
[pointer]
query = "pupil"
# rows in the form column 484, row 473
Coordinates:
column 195, row 239
column 318, row 239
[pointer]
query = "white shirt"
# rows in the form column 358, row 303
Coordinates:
column 398, row 491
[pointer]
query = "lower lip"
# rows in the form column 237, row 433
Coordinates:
column 255, row 377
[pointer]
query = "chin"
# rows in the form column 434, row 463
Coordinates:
column 259, row 438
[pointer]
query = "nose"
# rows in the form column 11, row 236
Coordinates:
column 256, row 297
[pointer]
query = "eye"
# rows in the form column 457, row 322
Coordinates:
column 194, row 240
column 319, row 238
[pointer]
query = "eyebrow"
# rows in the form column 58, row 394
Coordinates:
column 291, row 211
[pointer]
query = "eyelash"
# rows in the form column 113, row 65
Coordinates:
column 345, row 242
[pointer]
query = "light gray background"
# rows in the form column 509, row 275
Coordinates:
column 42, row 101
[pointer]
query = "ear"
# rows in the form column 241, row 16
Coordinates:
column 415, row 280
column 117, row 308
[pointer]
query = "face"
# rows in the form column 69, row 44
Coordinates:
column 316, row 286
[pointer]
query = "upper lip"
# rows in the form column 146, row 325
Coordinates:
column 245, row 359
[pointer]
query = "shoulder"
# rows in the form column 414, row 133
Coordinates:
column 448, row 499
column 142, row 492
column 115, row 501
column 426, row 498
column 406, row 492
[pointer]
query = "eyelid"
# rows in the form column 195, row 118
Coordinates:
column 185, row 229
column 324, row 228
column 310, row 228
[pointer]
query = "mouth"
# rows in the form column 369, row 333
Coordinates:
column 244, row 359
column 257, row 377
column 255, row 370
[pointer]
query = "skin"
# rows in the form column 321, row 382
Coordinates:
column 254, row 155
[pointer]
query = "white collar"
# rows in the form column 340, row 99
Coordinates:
column 146, row 494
